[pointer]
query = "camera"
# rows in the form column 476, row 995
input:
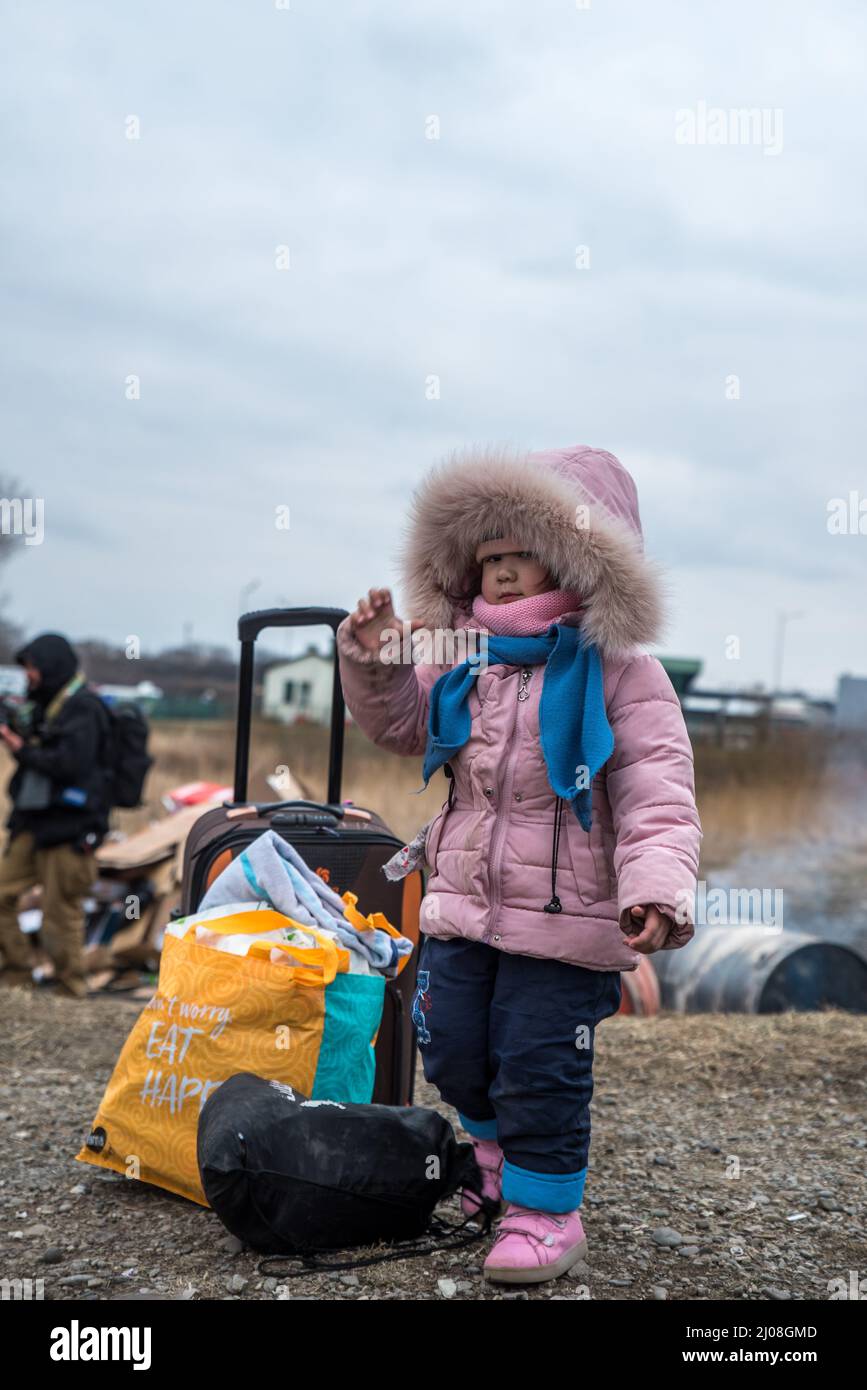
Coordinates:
column 18, row 714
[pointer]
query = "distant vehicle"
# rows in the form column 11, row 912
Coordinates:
column 145, row 690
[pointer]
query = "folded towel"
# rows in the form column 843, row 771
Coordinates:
column 270, row 870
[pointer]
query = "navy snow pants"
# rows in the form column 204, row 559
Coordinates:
column 508, row 1041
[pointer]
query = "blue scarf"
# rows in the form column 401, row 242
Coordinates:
column 573, row 724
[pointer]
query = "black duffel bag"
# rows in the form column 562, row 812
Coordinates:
column 288, row 1175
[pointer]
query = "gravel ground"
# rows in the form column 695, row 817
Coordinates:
column 728, row 1161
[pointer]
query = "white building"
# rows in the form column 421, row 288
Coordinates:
column 299, row 687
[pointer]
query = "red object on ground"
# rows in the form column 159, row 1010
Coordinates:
column 194, row 793
column 640, row 989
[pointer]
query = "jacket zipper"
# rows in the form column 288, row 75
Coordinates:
column 500, row 828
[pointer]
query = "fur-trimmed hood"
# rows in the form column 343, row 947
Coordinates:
column 576, row 509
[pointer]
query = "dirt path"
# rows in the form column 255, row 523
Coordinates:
column 681, row 1102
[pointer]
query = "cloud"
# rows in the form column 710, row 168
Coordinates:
column 412, row 257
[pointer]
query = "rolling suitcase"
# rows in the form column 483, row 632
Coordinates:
column 346, row 844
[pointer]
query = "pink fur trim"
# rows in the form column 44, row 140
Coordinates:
column 576, row 509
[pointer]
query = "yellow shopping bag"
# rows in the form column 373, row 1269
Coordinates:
column 217, row 1013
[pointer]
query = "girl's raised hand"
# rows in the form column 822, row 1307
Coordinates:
column 371, row 617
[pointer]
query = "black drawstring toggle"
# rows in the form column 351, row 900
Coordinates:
column 554, row 905
column 451, row 779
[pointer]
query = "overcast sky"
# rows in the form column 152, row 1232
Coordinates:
column 309, row 127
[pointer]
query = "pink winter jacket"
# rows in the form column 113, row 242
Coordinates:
column 491, row 853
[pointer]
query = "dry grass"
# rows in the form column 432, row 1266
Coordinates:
column 752, row 796
column 371, row 778
column 187, row 751
column 787, row 786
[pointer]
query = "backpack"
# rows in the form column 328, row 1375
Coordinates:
column 291, row 1176
column 128, row 758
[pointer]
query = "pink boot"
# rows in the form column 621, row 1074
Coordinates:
column 489, row 1157
column 532, row 1246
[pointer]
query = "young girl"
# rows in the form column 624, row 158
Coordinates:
column 569, row 843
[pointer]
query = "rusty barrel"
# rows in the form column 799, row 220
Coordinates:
column 640, row 989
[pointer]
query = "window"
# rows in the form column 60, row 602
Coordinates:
column 297, row 693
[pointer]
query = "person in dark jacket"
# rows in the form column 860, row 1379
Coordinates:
column 60, row 795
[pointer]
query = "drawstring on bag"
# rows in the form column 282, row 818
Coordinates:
column 446, row 1235
column 439, row 1237
column 555, row 905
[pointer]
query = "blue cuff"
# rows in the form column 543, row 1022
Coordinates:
column 479, row 1129
column 543, row 1191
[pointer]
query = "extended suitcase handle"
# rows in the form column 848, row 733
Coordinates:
column 249, row 627
column 251, row 624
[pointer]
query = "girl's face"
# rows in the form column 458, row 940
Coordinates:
column 509, row 572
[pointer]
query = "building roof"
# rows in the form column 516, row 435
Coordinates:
column 304, row 656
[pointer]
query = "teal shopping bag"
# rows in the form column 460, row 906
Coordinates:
column 353, row 1013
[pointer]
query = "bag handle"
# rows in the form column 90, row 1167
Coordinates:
column 374, row 921
column 322, row 962
column 329, row 959
column 266, row 919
